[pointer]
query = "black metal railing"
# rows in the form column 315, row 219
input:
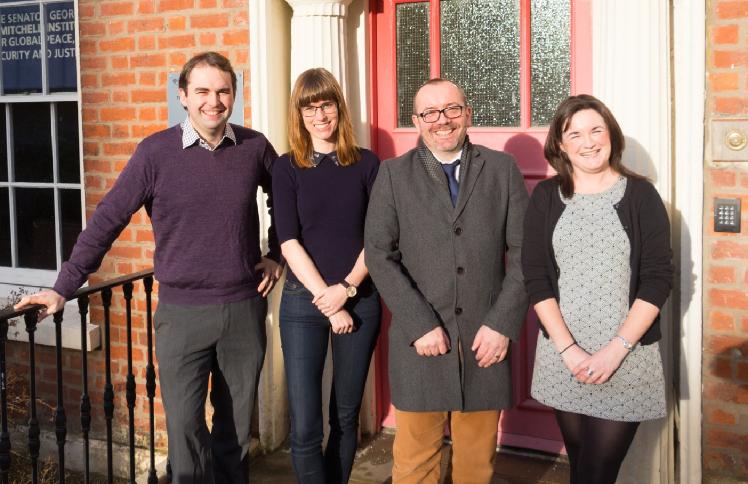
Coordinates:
column 30, row 316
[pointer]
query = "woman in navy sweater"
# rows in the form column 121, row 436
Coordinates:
column 320, row 193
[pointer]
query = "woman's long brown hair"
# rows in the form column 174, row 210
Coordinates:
column 315, row 85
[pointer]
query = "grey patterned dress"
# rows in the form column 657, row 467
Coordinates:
column 592, row 252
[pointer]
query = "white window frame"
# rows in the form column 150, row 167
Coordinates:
column 19, row 276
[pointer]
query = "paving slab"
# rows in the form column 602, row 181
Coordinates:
column 373, row 465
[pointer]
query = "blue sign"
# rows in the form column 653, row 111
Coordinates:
column 61, row 68
column 21, row 48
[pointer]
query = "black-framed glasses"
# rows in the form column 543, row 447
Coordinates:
column 432, row 115
column 328, row 107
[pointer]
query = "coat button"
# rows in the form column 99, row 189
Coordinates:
column 458, row 230
column 458, row 311
column 460, row 270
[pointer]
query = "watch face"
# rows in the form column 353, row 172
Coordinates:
column 350, row 291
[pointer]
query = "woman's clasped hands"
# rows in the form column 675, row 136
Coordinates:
column 597, row 368
column 330, row 303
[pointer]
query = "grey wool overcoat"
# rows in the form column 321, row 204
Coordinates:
column 455, row 267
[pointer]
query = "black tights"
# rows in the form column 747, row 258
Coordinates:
column 596, row 447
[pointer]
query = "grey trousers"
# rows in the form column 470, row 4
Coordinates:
column 227, row 340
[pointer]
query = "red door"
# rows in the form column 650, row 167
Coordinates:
column 516, row 60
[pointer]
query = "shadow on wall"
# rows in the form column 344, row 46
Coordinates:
column 639, row 465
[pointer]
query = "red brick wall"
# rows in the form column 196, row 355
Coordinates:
column 725, row 364
column 127, row 49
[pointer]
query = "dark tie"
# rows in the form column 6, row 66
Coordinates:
column 450, row 169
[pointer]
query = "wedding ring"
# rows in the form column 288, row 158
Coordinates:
column 589, row 372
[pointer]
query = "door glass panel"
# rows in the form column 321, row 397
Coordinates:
column 20, row 49
column 5, row 259
column 32, row 142
column 412, row 56
column 550, row 57
column 480, row 52
column 70, row 223
column 35, row 225
column 67, row 142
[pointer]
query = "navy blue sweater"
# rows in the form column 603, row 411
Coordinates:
column 324, row 208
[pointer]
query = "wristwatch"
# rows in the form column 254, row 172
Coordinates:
column 350, row 289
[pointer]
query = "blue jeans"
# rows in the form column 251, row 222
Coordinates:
column 304, row 335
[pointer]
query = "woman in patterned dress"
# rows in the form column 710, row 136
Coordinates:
column 597, row 264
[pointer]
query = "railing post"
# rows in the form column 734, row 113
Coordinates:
column 31, row 318
column 130, row 385
column 106, row 299
column 150, row 377
column 60, row 418
column 4, row 434
column 85, row 408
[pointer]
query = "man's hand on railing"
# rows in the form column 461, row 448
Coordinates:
column 49, row 298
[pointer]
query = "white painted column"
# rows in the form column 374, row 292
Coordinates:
column 631, row 61
column 269, row 76
column 689, row 68
column 318, row 37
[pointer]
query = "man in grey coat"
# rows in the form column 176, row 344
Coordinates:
column 443, row 242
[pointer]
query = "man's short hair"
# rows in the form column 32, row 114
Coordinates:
column 213, row 59
column 439, row 80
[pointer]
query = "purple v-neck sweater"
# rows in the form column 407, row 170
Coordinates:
column 203, row 210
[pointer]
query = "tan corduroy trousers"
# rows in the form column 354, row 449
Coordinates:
column 418, row 442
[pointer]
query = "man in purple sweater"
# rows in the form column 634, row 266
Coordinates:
column 198, row 182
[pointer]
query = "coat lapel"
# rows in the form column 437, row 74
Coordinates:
column 438, row 181
column 474, row 164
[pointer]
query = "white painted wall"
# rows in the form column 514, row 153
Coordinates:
column 270, row 43
column 631, row 75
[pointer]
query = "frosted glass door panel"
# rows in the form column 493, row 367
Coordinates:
column 412, row 56
column 550, row 57
column 480, row 51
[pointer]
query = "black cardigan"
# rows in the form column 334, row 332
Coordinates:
column 643, row 217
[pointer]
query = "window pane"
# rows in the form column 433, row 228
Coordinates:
column 5, row 259
column 32, row 142
column 3, row 145
column 412, row 56
column 67, row 142
column 550, row 54
column 20, row 49
column 61, row 70
column 70, row 208
column 480, row 52
column 35, row 225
